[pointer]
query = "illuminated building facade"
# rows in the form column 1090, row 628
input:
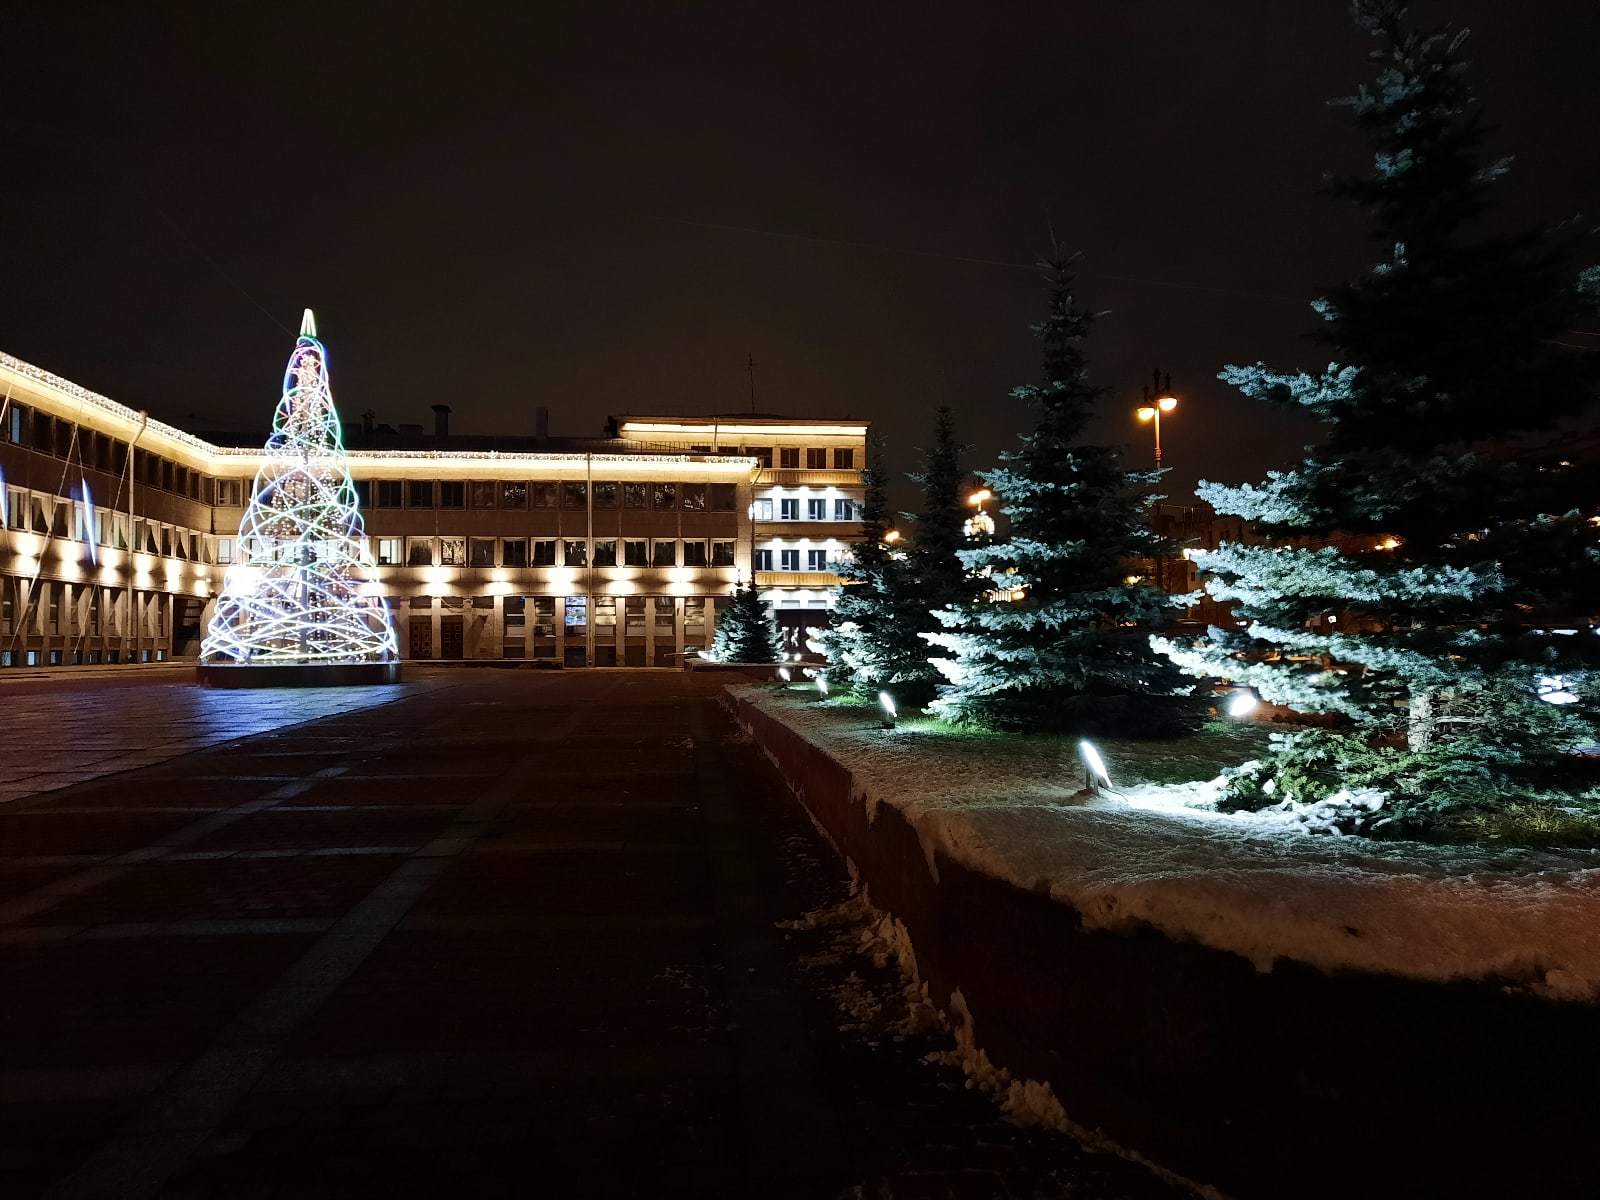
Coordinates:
column 116, row 530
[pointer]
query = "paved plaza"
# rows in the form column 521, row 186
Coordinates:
column 499, row 933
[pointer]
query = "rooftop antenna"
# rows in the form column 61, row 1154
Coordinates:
column 750, row 365
column 308, row 325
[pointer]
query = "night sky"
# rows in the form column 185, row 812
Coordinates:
column 606, row 209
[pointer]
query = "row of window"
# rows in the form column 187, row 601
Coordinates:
column 519, row 495
column 549, row 552
column 100, row 451
column 789, row 560
column 844, row 459
column 86, row 609
column 788, row 509
column 73, row 520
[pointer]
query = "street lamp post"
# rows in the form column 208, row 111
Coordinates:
column 980, row 524
column 1158, row 399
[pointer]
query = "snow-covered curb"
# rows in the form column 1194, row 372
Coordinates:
column 1522, row 919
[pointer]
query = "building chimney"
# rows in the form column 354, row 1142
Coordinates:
column 541, row 422
column 441, row 420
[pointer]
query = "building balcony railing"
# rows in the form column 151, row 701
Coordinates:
column 797, row 579
column 800, row 477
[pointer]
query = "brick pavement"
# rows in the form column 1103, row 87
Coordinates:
column 502, row 933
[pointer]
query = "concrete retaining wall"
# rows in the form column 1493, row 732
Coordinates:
column 1294, row 1083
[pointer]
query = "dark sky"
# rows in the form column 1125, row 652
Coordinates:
column 606, row 208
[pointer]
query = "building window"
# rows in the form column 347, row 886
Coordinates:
column 230, row 492
column 577, row 552
column 224, row 551
column 722, row 553
column 542, row 495
column 762, row 455
column 816, row 560
column 544, row 552
column 419, row 493
column 544, row 617
column 633, row 616
column 388, row 552
column 577, row 616
column 816, row 510
column 633, row 495
column 723, row 497
column 694, row 616
column 844, row 460
column 789, row 458
column 513, row 495
column 694, row 497
column 419, row 552
column 452, row 552
column 789, row 510
column 761, row 510
column 605, row 552
column 17, row 423
column 694, row 554
column 574, row 494
column 386, row 493
column 763, row 560
column 482, row 492
column 816, row 460
column 666, row 613
column 605, row 611
column 605, row 495
column 452, row 493
column 844, row 510
column 665, row 553
column 788, row 560
column 635, row 553
column 514, row 553
column 482, row 552
column 664, row 495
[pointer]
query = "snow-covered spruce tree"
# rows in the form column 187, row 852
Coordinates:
column 1070, row 653
column 1425, row 629
column 871, row 640
column 746, row 632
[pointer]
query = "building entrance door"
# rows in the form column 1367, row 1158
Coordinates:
column 421, row 637
column 450, row 638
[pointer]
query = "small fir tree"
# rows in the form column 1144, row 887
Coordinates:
column 746, row 632
column 1062, row 644
column 1423, row 619
column 870, row 642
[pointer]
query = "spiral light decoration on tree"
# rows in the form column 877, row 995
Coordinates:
column 294, row 595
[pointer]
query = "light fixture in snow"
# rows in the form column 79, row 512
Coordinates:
column 890, row 715
column 1241, row 703
column 1095, row 775
column 822, row 685
column 1554, row 689
column 783, row 674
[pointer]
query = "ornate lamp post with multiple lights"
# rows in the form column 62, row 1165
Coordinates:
column 1158, row 399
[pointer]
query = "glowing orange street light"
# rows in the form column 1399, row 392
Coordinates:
column 978, row 497
column 891, row 537
column 1158, row 399
column 980, row 524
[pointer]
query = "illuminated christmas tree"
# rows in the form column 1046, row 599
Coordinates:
column 294, row 596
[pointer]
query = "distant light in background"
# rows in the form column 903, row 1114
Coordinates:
column 1242, row 704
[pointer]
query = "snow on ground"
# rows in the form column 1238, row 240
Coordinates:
column 1255, row 885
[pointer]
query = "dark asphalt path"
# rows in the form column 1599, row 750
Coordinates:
column 508, row 934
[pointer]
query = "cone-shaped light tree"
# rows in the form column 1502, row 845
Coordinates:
column 1428, row 630
column 1064, row 646
column 295, row 594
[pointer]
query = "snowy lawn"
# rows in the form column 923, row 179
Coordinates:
column 1257, row 885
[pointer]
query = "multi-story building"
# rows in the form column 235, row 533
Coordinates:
column 116, row 530
column 805, row 508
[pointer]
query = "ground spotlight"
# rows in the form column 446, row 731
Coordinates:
column 890, row 715
column 1242, row 703
column 1095, row 775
